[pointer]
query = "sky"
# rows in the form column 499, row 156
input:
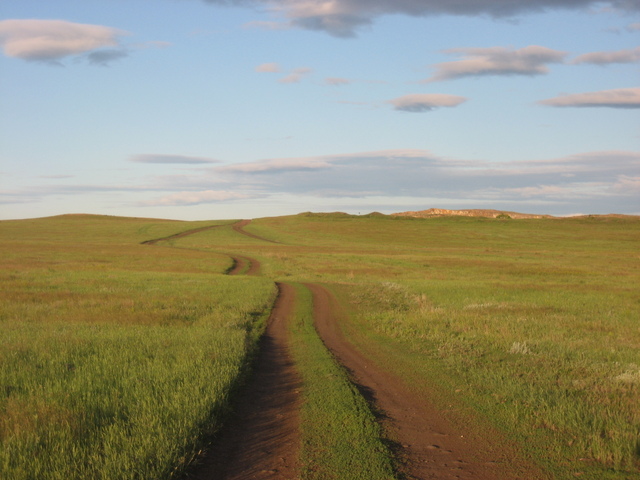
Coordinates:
column 220, row 109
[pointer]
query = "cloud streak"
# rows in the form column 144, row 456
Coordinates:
column 170, row 159
column 194, row 198
column 606, row 58
column 268, row 68
column 296, row 75
column 602, row 182
column 618, row 98
column 52, row 40
column 425, row 102
column 343, row 18
column 496, row 61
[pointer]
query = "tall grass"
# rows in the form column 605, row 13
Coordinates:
column 116, row 369
column 531, row 324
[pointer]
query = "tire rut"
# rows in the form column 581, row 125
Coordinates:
column 239, row 227
column 261, row 438
column 240, row 267
column 180, row 235
column 426, row 445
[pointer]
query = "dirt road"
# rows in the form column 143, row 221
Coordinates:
column 180, row 235
column 240, row 266
column 261, row 440
column 239, row 227
column 427, row 446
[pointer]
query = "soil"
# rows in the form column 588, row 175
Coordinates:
column 240, row 266
column 239, row 227
column 180, row 235
column 261, row 440
column 426, row 444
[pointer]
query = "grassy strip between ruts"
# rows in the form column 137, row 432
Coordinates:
column 340, row 437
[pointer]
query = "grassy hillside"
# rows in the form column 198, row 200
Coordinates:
column 116, row 359
column 529, row 325
column 524, row 327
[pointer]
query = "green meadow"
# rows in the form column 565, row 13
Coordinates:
column 119, row 360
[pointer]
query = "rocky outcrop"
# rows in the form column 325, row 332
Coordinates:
column 441, row 212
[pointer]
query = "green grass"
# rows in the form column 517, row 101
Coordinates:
column 536, row 322
column 526, row 327
column 529, row 325
column 340, row 437
column 117, row 360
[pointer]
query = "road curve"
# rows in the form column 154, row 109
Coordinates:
column 239, row 227
column 240, row 263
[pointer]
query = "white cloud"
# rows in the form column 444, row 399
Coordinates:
column 52, row 40
column 531, row 60
column 604, row 58
column 633, row 27
column 277, row 165
column 268, row 68
column 618, row 98
column 194, row 198
column 179, row 159
column 425, row 102
column 343, row 18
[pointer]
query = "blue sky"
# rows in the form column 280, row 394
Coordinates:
column 194, row 109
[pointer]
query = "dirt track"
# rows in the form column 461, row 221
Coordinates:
column 240, row 266
column 427, row 445
column 239, row 227
column 261, row 440
column 180, row 235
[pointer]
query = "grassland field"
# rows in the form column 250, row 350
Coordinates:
column 119, row 360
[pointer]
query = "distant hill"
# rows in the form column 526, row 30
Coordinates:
column 441, row 212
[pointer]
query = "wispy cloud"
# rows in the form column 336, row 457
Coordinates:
column 605, row 58
column 168, row 159
column 633, row 27
column 276, row 165
column 478, row 62
column 425, row 102
column 296, row 75
column 336, row 81
column 592, row 181
column 105, row 57
column 618, row 98
column 52, row 40
column 268, row 68
column 194, row 198
column 343, row 18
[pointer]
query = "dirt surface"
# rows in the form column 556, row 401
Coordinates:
column 240, row 266
column 180, row 235
column 428, row 446
column 239, row 227
column 261, row 440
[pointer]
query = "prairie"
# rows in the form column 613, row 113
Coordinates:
column 116, row 359
column 524, row 327
column 527, row 326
